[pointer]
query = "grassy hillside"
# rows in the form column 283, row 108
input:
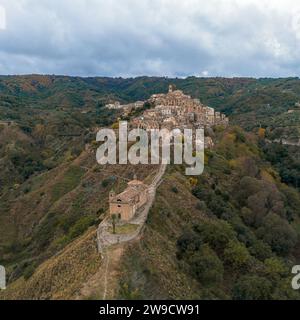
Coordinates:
column 62, row 276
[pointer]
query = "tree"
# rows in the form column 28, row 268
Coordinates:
column 206, row 266
column 114, row 221
column 247, row 187
column 261, row 133
column 236, row 255
column 115, row 125
column 203, row 262
column 258, row 206
column 216, row 233
column 252, row 288
column 187, row 244
column 277, row 233
column 248, row 167
column 219, row 207
column 275, row 269
column 260, row 250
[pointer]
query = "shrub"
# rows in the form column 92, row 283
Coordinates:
column 100, row 211
column 105, row 183
column 206, row 266
column 174, row 189
column 46, row 230
column 187, row 244
column 201, row 206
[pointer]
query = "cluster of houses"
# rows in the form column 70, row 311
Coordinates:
column 177, row 110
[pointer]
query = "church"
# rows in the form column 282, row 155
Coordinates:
column 126, row 204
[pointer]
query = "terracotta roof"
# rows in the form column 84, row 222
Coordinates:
column 134, row 188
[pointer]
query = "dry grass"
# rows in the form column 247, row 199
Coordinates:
column 62, row 276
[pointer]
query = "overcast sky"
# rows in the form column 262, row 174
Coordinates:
column 150, row 37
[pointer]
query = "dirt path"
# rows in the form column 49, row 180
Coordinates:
column 105, row 276
column 104, row 284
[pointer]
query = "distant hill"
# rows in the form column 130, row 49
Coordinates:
column 254, row 98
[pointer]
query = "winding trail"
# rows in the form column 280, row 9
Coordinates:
column 105, row 239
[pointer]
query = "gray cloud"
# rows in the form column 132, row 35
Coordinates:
column 151, row 37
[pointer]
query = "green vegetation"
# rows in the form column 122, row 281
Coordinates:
column 123, row 229
column 286, row 160
column 70, row 180
column 250, row 229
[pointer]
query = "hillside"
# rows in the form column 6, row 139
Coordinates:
column 233, row 233
column 206, row 237
column 63, row 275
column 46, row 208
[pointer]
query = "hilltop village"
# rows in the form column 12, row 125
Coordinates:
column 173, row 110
column 177, row 110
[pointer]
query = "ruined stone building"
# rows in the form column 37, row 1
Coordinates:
column 126, row 204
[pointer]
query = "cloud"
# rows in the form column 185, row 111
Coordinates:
column 2, row 18
column 151, row 37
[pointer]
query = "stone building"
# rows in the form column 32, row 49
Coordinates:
column 126, row 204
column 127, row 108
column 114, row 106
